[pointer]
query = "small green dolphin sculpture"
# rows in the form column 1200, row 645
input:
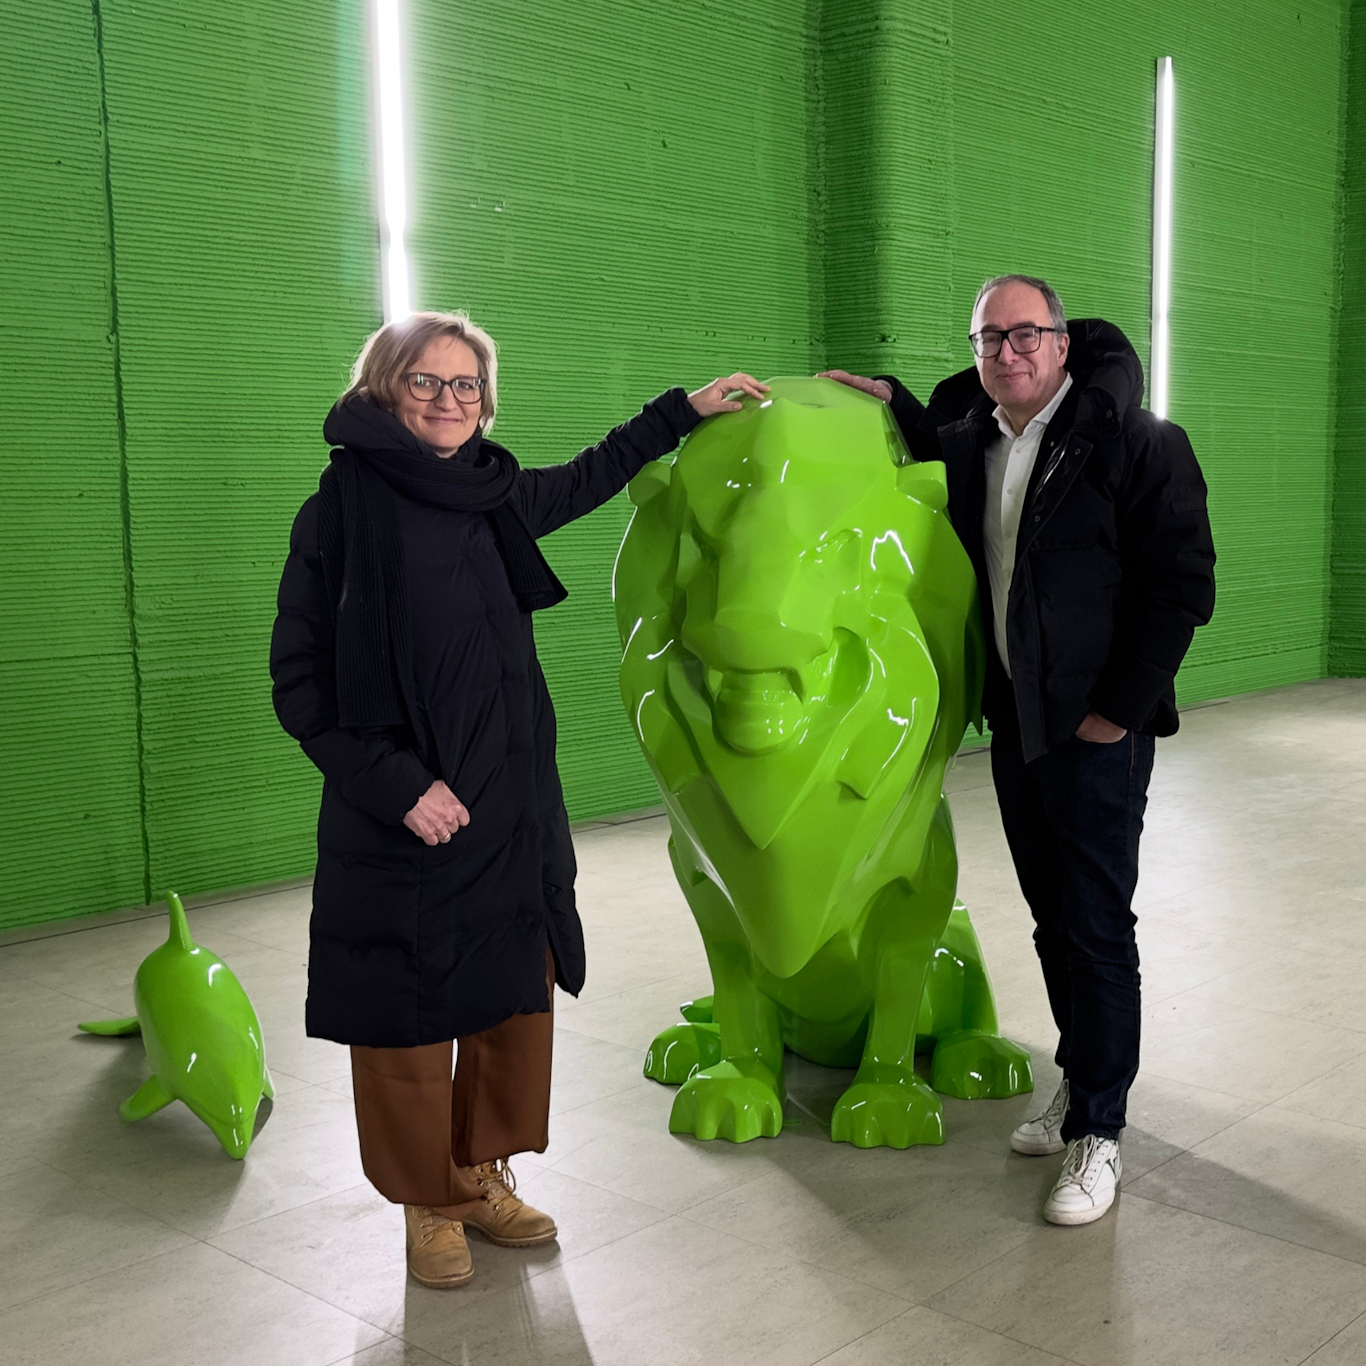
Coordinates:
column 202, row 1037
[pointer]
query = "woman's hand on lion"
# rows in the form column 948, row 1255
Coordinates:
column 439, row 813
column 879, row 388
column 711, row 398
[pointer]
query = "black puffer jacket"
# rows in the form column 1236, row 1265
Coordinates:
column 1114, row 563
column 411, row 944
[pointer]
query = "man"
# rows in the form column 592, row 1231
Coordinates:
column 1085, row 518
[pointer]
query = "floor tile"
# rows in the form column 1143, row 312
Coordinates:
column 1177, row 957
column 909, row 1222
column 589, row 1069
column 1267, row 905
column 633, row 1018
column 392, row 1352
column 1278, row 1172
column 1159, row 1286
column 1347, row 1348
column 46, row 1055
column 650, row 948
column 348, row 1249
column 170, row 1166
column 279, row 920
column 192, row 1307
column 56, row 1232
column 623, row 1144
column 1245, row 1129
column 987, row 1124
column 291, row 1050
column 1338, row 1095
column 1240, row 1050
column 102, row 967
column 969, row 772
column 674, row 1292
column 922, row 1337
column 1323, row 987
column 1180, row 1115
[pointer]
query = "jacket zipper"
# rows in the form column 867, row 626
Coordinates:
column 1049, row 468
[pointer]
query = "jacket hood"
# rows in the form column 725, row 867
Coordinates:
column 1104, row 367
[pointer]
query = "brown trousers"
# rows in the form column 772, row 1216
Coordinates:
column 418, row 1128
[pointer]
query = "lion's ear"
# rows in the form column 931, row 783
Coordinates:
column 650, row 482
column 926, row 481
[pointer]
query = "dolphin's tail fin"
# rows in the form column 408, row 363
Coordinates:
column 128, row 1025
column 180, row 930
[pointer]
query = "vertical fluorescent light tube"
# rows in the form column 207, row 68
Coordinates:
column 1162, row 232
column 393, row 180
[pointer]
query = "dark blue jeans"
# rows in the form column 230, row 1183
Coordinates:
column 1072, row 819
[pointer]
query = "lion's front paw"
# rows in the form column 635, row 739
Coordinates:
column 738, row 1100
column 888, row 1111
column 980, row 1067
column 681, row 1050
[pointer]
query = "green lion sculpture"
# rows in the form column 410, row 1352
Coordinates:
column 802, row 654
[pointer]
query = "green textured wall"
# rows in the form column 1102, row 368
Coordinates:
column 1347, row 642
column 945, row 174
column 887, row 189
column 627, row 196
column 245, row 259
column 70, row 837
column 620, row 223
column 1252, row 338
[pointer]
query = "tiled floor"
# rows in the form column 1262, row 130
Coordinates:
column 1240, row 1235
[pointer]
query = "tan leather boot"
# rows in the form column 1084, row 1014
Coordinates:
column 438, row 1254
column 502, row 1218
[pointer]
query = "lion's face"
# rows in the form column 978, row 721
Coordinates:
column 789, row 595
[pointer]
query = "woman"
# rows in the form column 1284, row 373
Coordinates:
column 404, row 664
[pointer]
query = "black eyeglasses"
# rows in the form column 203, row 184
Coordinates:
column 1023, row 339
column 465, row 389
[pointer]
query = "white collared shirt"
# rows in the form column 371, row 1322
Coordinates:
column 1010, row 462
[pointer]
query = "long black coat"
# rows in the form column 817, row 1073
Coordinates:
column 411, row 944
column 1114, row 563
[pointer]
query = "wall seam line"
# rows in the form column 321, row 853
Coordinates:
column 125, row 517
column 1334, row 333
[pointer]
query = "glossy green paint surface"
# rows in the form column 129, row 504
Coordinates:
column 203, row 1039
column 802, row 653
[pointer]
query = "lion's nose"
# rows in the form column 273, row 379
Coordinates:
column 745, row 638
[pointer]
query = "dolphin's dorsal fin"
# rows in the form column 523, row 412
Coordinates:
column 180, row 930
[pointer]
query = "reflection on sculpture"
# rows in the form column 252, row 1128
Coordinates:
column 802, row 653
column 202, row 1037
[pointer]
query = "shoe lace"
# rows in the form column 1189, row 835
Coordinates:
column 1057, row 1107
column 1082, row 1167
column 428, row 1222
column 497, row 1180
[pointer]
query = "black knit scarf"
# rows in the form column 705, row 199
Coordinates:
column 375, row 457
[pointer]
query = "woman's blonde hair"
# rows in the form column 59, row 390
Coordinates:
column 393, row 350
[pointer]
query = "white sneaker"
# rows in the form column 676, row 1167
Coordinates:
column 1043, row 1134
column 1090, row 1177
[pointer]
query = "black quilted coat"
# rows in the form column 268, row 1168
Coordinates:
column 1114, row 565
column 411, row 944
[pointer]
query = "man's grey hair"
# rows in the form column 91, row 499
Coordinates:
column 1055, row 309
